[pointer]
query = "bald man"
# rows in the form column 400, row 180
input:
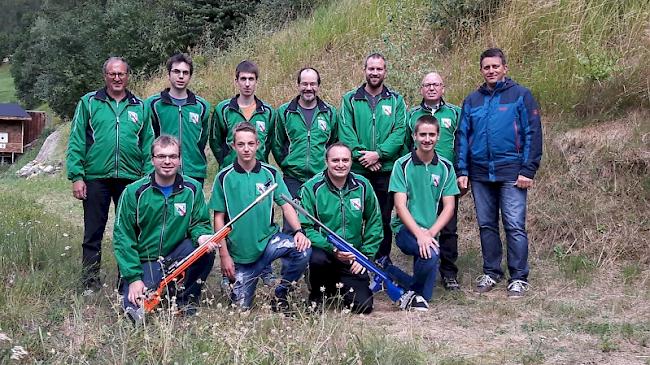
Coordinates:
column 432, row 90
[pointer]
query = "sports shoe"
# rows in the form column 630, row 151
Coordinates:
column 484, row 283
column 418, row 304
column 405, row 299
column 136, row 316
column 268, row 279
column 383, row 262
column 450, row 284
column 517, row 289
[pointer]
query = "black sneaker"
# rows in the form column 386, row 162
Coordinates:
column 450, row 284
column 485, row 283
column 418, row 303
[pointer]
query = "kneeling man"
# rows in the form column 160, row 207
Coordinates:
column 161, row 215
column 346, row 203
column 256, row 240
column 420, row 180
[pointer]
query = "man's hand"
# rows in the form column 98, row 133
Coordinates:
column 463, row 184
column 375, row 167
column 79, row 189
column 426, row 243
column 344, row 256
column 523, row 182
column 213, row 246
column 136, row 292
column 228, row 266
column 357, row 269
column 302, row 242
column 368, row 158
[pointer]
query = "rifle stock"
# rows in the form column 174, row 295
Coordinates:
column 176, row 271
column 393, row 290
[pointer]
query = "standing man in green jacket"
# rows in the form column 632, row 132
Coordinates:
column 161, row 215
column 243, row 107
column 372, row 124
column 346, row 203
column 432, row 91
column 109, row 147
column 304, row 127
column 179, row 112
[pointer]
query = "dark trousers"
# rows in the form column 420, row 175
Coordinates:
column 448, row 241
column 99, row 194
column 379, row 181
column 195, row 275
column 325, row 271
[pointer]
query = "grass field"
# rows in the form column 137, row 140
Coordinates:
column 7, row 90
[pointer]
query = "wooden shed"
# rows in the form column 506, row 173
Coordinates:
column 18, row 128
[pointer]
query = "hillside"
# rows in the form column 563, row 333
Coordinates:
column 589, row 215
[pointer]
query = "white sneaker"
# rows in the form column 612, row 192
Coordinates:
column 406, row 299
column 418, row 303
column 517, row 289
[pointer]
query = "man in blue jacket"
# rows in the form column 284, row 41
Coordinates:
column 499, row 149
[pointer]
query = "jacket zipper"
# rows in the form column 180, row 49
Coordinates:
column 117, row 139
column 342, row 213
column 516, row 136
column 180, row 131
column 162, row 230
column 308, row 140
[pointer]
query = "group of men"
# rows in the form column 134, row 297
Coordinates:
column 350, row 168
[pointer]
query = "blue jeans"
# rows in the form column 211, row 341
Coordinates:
column 195, row 275
column 489, row 199
column 281, row 246
column 424, row 270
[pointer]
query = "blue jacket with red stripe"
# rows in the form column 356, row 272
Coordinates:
column 500, row 134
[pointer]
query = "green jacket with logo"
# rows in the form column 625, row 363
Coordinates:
column 352, row 212
column 189, row 123
column 299, row 150
column 109, row 139
column 380, row 130
column 447, row 115
column 148, row 225
column 226, row 116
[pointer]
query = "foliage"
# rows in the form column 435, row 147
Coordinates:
column 462, row 17
column 15, row 18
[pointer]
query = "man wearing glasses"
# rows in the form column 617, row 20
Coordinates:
column 161, row 215
column 179, row 112
column 109, row 147
column 432, row 90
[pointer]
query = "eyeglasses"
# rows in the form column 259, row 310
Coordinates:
column 120, row 75
column 434, row 84
column 164, row 157
column 177, row 72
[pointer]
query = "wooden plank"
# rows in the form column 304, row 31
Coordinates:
column 35, row 126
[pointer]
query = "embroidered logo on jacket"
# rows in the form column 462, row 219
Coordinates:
column 322, row 124
column 387, row 109
column 180, row 209
column 261, row 126
column 446, row 122
column 194, row 118
column 355, row 203
column 133, row 116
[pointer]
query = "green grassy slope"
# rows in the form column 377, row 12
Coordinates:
column 7, row 89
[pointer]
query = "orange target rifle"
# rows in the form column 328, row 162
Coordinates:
column 176, row 271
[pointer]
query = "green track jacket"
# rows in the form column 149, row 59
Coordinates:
column 380, row 130
column 148, row 225
column 352, row 212
column 226, row 116
column 447, row 115
column 189, row 123
column 298, row 150
column 109, row 139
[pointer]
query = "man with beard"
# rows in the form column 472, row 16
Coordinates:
column 432, row 90
column 109, row 147
column 372, row 120
column 177, row 111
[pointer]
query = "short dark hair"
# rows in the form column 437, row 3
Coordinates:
column 113, row 59
column 336, row 144
column 426, row 119
column 165, row 140
column 492, row 52
column 373, row 55
column 243, row 127
column 247, row 66
column 178, row 58
column 309, row 68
